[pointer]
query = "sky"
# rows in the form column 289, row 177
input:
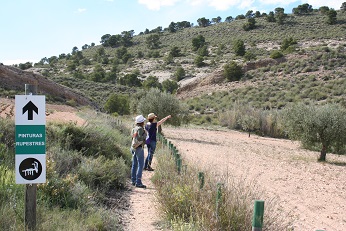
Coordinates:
column 34, row 29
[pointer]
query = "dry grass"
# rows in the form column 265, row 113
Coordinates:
column 223, row 203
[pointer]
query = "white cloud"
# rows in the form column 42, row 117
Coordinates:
column 195, row 2
column 247, row 5
column 81, row 10
column 157, row 4
column 223, row 4
column 315, row 3
column 336, row 4
column 279, row 2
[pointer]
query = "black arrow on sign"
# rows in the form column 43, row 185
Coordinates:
column 31, row 108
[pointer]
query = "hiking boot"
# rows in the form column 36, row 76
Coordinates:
column 150, row 169
column 140, row 186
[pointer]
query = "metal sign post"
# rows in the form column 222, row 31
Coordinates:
column 30, row 158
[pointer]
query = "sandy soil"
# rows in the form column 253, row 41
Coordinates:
column 313, row 193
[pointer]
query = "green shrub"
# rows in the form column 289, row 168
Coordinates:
column 203, row 51
column 11, row 214
column 276, row 54
column 239, row 47
column 119, row 103
column 249, row 122
column 86, row 140
column 287, row 42
column 63, row 192
column 175, row 51
column 232, row 71
column 162, row 104
column 169, row 86
column 103, row 174
column 7, row 135
column 11, row 198
column 199, row 61
column 249, row 55
column 64, row 161
column 317, row 126
column 198, row 42
column 179, row 74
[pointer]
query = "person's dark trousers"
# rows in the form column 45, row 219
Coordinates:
column 151, row 151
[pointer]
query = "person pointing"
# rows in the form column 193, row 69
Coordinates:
column 151, row 128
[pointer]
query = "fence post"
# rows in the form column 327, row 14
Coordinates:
column 166, row 144
column 159, row 136
column 257, row 221
column 175, row 149
column 218, row 198
column 178, row 161
column 201, row 179
column 169, row 146
column 163, row 140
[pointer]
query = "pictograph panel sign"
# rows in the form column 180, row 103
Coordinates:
column 30, row 169
column 30, row 117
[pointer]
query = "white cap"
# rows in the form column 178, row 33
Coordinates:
column 140, row 119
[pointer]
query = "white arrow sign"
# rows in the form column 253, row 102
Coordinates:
column 30, row 110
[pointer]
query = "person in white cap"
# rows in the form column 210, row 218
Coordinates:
column 138, row 140
column 151, row 128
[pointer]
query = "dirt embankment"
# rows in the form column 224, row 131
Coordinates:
column 14, row 78
column 54, row 113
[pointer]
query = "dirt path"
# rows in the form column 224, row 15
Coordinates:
column 313, row 193
column 143, row 213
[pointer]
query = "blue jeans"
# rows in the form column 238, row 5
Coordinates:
column 151, row 151
column 137, row 165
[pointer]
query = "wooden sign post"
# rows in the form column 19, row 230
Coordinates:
column 30, row 158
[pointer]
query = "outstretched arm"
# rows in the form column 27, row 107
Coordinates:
column 163, row 120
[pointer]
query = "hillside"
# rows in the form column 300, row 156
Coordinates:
column 15, row 79
column 311, row 69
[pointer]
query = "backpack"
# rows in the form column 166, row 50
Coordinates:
column 138, row 135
